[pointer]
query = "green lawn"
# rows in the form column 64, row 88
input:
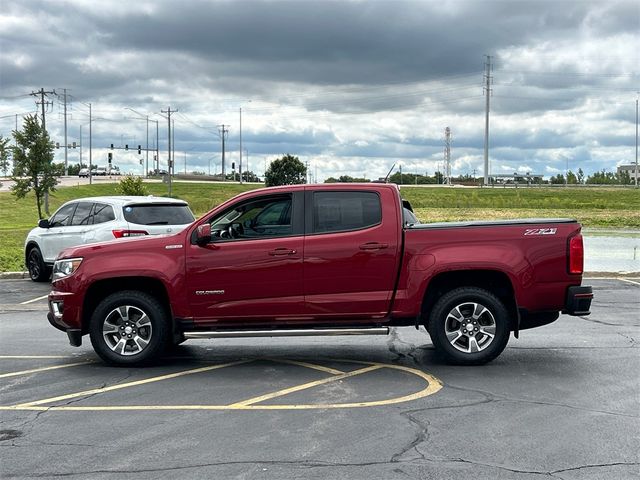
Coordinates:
column 594, row 207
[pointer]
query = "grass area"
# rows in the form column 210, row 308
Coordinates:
column 593, row 207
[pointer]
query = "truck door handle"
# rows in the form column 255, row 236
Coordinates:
column 282, row 251
column 373, row 246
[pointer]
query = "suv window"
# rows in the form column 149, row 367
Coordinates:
column 63, row 216
column 103, row 213
column 158, row 214
column 82, row 215
column 343, row 211
column 262, row 218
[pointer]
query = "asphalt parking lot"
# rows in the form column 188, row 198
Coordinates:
column 561, row 402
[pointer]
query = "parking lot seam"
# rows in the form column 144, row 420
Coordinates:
column 43, row 369
column 94, row 391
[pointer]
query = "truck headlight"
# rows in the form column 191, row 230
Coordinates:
column 66, row 267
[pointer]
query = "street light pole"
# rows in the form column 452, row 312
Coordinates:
column 636, row 143
column 147, row 149
column 240, row 164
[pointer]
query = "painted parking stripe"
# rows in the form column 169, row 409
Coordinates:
column 34, row 300
column 43, row 369
column 433, row 385
column 130, row 384
column 313, row 366
column 629, row 281
column 305, row 386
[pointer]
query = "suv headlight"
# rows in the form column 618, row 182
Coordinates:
column 66, row 267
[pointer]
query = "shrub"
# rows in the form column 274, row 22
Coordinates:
column 130, row 185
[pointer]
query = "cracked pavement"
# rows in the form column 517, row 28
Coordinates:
column 562, row 402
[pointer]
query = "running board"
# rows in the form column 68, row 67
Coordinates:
column 310, row 332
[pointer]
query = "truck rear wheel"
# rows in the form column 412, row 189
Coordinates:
column 129, row 328
column 469, row 326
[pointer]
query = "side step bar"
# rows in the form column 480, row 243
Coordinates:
column 309, row 332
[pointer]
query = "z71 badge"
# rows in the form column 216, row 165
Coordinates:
column 540, row 231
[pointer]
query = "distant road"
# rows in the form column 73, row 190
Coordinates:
column 70, row 181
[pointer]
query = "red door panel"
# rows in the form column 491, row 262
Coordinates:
column 246, row 280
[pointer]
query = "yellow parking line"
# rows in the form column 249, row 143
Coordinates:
column 332, row 371
column 94, row 391
column 433, row 386
column 305, row 386
column 34, row 300
column 43, row 369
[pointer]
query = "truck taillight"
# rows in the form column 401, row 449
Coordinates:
column 576, row 255
column 128, row 233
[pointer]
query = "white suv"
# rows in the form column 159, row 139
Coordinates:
column 98, row 219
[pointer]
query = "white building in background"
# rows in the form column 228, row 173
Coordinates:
column 630, row 169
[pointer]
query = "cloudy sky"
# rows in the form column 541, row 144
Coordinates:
column 351, row 87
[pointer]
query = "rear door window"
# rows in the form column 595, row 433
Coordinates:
column 158, row 214
column 103, row 213
column 82, row 215
column 345, row 211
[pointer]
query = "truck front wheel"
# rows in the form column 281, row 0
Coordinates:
column 469, row 326
column 129, row 328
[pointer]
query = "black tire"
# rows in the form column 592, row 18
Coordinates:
column 38, row 270
column 129, row 328
column 480, row 334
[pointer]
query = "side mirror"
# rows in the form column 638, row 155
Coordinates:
column 203, row 234
column 44, row 223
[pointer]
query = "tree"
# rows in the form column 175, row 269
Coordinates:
column 571, row 178
column 33, row 162
column 288, row 170
column 580, row 176
column 75, row 169
column 4, row 155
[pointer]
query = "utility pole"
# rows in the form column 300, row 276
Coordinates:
column 240, row 164
column 487, row 91
column 168, row 111
column 223, row 131
column 447, row 155
column 42, row 102
column 90, row 149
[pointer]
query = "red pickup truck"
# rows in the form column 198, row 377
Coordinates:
column 320, row 260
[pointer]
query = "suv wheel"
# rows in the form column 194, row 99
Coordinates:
column 38, row 270
column 129, row 328
column 469, row 326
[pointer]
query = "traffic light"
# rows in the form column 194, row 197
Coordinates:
column 112, row 146
column 74, row 144
column 139, row 149
column 110, row 156
column 233, row 166
column 126, row 147
column 57, row 144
